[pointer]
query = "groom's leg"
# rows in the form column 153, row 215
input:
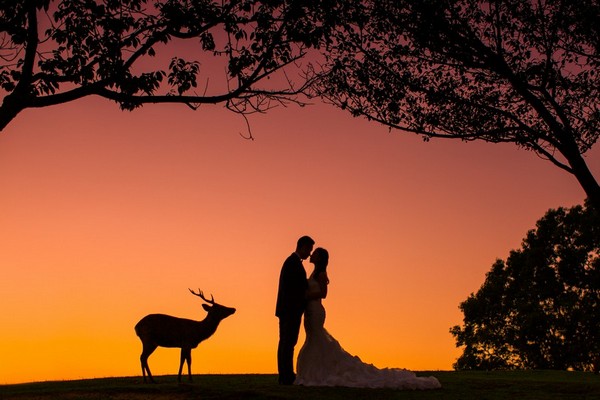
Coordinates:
column 289, row 328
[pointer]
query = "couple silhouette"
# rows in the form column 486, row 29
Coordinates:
column 322, row 361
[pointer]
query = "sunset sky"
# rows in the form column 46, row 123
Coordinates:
column 106, row 216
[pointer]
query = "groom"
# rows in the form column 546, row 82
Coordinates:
column 291, row 302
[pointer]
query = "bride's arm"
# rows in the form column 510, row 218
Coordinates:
column 313, row 294
column 323, row 282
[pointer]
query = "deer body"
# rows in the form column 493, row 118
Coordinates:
column 167, row 331
column 162, row 330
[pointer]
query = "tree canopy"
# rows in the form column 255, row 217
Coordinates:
column 541, row 308
column 523, row 72
column 56, row 51
column 498, row 71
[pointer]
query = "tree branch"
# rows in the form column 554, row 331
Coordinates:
column 22, row 86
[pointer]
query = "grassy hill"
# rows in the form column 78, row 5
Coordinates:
column 514, row 385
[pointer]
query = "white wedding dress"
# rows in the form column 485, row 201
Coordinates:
column 323, row 362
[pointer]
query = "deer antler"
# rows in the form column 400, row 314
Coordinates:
column 201, row 295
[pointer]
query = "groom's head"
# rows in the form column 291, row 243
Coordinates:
column 304, row 247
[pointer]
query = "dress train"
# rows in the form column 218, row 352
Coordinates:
column 323, row 362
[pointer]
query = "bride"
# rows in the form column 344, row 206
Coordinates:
column 323, row 362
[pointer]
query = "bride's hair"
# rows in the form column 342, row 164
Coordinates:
column 321, row 261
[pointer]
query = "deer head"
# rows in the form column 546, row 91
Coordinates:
column 214, row 309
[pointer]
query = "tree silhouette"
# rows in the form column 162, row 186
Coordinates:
column 53, row 52
column 541, row 308
column 523, row 72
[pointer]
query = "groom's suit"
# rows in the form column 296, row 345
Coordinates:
column 291, row 301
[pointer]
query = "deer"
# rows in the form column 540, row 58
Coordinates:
column 162, row 330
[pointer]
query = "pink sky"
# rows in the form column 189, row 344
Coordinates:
column 106, row 216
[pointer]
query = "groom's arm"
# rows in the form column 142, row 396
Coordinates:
column 295, row 284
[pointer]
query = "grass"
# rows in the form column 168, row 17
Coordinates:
column 514, row 385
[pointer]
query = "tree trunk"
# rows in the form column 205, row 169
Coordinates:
column 585, row 178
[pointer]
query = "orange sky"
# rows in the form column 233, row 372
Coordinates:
column 106, row 216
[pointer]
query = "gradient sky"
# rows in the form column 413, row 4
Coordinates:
column 106, row 216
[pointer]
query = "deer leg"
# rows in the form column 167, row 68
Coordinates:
column 147, row 350
column 186, row 355
column 189, row 363
column 181, row 361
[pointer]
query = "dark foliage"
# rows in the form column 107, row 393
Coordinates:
column 523, row 72
column 56, row 51
column 541, row 308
